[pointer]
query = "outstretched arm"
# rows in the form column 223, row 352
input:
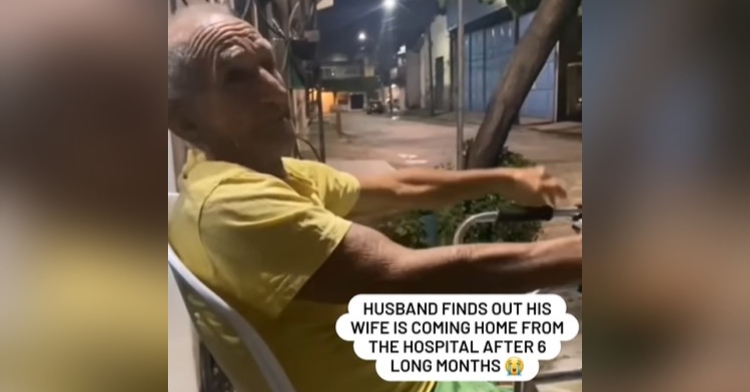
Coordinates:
column 426, row 189
column 368, row 262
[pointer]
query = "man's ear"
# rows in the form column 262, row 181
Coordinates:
column 183, row 125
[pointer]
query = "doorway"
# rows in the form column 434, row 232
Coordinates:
column 357, row 101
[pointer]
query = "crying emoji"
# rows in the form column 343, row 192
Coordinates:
column 514, row 366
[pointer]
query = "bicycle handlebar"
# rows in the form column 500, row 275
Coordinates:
column 543, row 214
column 520, row 214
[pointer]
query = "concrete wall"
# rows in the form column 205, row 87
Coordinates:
column 413, row 80
column 441, row 47
column 424, row 74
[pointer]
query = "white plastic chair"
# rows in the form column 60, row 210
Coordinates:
column 267, row 363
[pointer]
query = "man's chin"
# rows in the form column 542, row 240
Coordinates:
column 289, row 135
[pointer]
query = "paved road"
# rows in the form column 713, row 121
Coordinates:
column 405, row 143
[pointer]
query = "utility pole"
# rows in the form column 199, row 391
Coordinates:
column 461, row 52
column 432, row 76
column 391, row 48
column 517, row 12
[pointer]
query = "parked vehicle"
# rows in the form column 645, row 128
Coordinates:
column 375, row 107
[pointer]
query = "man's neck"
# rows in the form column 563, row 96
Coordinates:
column 273, row 166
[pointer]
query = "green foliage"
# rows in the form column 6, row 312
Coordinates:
column 517, row 6
column 409, row 230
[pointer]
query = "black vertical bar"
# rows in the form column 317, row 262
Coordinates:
column 318, row 77
column 321, row 126
column 452, row 57
column 432, row 72
column 484, row 68
column 469, row 72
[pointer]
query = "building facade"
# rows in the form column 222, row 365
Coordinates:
column 491, row 36
column 414, row 80
column 435, row 66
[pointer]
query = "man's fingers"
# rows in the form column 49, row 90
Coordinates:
column 555, row 193
column 550, row 200
column 556, row 188
column 561, row 192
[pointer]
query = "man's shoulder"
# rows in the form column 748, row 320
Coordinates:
column 216, row 179
column 309, row 169
column 321, row 175
column 217, row 193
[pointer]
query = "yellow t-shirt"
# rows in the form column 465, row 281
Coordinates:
column 256, row 240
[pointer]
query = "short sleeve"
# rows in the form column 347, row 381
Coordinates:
column 338, row 191
column 265, row 241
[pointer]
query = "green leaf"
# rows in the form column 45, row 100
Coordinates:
column 518, row 6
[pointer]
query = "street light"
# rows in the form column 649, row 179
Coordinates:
column 362, row 36
column 390, row 6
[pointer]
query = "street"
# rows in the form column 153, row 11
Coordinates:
column 418, row 143
column 412, row 143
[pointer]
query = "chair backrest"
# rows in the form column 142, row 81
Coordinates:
column 267, row 363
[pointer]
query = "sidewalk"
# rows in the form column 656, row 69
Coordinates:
column 449, row 118
column 566, row 128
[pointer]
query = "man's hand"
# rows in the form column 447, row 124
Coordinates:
column 533, row 187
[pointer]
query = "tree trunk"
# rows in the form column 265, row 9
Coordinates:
column 528, row 61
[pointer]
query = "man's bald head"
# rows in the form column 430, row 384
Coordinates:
column 179, row 62
column 225, row 94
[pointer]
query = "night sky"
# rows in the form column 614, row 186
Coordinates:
column 341, row 25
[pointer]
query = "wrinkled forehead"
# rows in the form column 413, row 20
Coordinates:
column 195, row 18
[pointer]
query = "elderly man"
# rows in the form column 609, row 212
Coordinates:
column 276, row 237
